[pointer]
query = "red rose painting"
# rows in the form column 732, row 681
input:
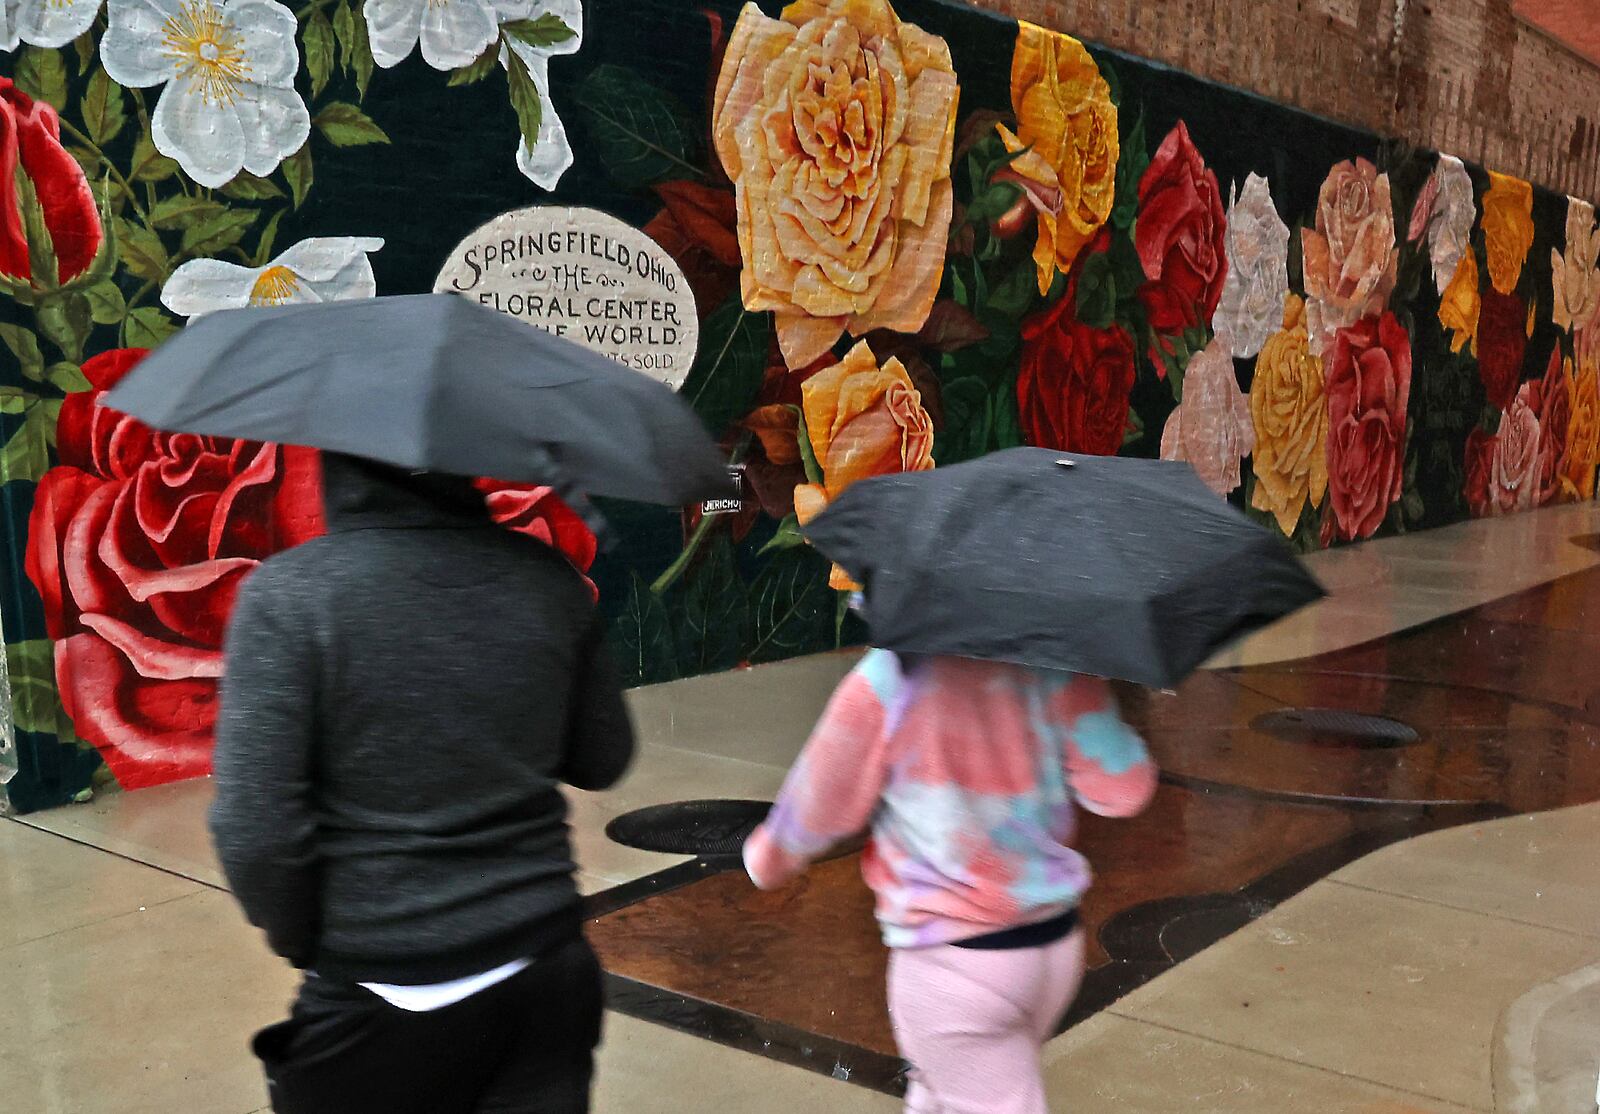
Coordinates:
column 697, row 227
column 1481, row 451
column 1073, row 385
column 1369, row 389
column 1553, row 403
column 30, row 138
column 1502, row 342
column 540, row 513
column 1180, row 236
column 138, row 543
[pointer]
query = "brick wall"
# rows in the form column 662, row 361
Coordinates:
column 1465, row 76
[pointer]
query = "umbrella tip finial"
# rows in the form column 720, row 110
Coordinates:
column 1066, row 462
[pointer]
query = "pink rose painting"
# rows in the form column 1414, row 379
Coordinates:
column 1211, row 428
column 1514, row 467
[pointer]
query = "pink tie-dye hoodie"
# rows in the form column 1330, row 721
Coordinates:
column 967, row 772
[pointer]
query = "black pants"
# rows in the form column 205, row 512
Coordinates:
column 523, row 1046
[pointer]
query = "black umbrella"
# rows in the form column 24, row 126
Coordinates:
column 433, row 382
column 1122, row 568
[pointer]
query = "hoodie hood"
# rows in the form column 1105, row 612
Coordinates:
column 359, row 494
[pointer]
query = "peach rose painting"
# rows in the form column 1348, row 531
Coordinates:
column 910, row 233
column 1351, row 259
column 861, row 420
column 1575, row 274
column 1258, row 269
column 1448, row 215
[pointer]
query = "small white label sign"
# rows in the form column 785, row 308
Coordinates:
column 731, row 504
column 584, row 275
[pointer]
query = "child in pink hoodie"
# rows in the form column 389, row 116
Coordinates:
column 967, row 773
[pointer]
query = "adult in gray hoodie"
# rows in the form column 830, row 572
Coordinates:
column 401, row 700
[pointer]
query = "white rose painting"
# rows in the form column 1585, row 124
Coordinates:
column 323, row 269
column 226, row 68
column 1251, row 306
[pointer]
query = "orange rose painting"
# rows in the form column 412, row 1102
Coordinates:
column 1507, row 229
column 836, row 125
column 862, row 420
column 1461, row 304
column 1582, row 455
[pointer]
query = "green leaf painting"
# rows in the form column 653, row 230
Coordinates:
column 727, row 370
column 640, row 132
column 319, row 50
column 711, row 611
column 524, row 98
column 31, row 670
column 792, row 609
column 104, row 108
column 42, row 74
column 547, row 30
column 642, row 637
column 345, row 125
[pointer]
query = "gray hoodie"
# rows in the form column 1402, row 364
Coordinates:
column 400, row 700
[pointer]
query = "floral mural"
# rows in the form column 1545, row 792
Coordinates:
column 913, row 233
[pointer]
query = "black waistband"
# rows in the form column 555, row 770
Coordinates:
column 1025, row 935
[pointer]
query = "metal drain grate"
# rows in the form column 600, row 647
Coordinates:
column 1334, row 727
column 710, row 828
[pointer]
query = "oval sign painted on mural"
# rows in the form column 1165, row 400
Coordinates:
column 584, row 275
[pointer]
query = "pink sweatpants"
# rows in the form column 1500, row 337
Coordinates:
column 972, row 1023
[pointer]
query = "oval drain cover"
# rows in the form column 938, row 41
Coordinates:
column 710, row 828
column 1334, row 727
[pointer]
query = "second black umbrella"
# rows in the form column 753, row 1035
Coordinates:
column 1117, row 567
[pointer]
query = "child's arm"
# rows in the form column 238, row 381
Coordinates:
column 832, row 791
column 1109, row 768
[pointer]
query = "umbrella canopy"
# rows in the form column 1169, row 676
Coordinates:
column 432, row 382
column 1122, row 568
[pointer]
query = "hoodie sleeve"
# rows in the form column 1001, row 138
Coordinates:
column 600, row 740
column 1106, row 760
column 262, row 820
column 833, row 789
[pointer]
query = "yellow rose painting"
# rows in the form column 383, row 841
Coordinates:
column 1290, row 413
column 836, row 124
column 1507, row 229
column 1067, row 133
column 1582, row 454
column 1461, row 303
column 862, row 420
